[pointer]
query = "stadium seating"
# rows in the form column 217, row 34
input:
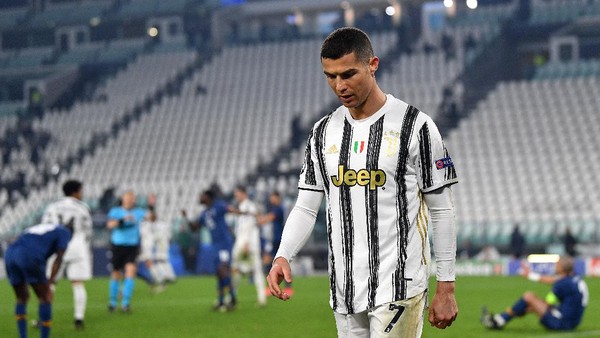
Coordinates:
column 79, row 13
column 561, row 11
column 420, row 78
column 568, row 69
column 526, row 155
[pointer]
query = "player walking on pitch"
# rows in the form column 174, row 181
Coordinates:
column 246, row 249
column 382, row 165
column 213, row 218
column 77, row 260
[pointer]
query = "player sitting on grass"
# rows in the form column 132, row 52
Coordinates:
column 561, row 310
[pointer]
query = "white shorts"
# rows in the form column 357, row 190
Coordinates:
column 397, row 319
column 77, row 267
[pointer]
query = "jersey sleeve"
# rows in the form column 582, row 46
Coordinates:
column 114, row 213
column 434, row 166
column 311, row 177
column 50, row 215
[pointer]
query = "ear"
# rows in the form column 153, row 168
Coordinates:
column 373, row 65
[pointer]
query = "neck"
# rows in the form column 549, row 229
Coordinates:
column 373, row 103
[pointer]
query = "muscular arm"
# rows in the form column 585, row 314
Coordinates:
column 193, row 226
column 443, row 309
column 56, row 266
column 113, row 223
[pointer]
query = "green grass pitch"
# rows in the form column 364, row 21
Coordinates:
column 184, row 310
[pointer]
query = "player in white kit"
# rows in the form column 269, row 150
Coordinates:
column 154, row 249
column 77, row 260
column 246, row 251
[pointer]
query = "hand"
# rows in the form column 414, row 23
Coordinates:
column 525, row 269
column 279, row 271
column 443, row 309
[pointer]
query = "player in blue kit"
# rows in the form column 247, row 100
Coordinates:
column 26, row 264
column 563, row 307
column 213, row 218
column 124, row 222
column 275, row 216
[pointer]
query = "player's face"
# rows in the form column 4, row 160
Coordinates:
column 351, row 80
column 128, row 200
column 274, row 200
column 239, row 195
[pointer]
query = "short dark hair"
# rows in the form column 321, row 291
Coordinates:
column 71, row 187
column 344, row 41
column 210, row 194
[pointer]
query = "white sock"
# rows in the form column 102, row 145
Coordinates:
column 80, row 300
column 499, row 319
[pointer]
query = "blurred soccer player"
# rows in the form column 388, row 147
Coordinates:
column 563, row 307
column 275, row 216
column 213, row 218
column 25, row 261
column 246, row 250
column 382, row 165
column 124, row 223
column 154, row 250
column 77, row 261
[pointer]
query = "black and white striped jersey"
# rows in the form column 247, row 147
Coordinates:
column 373, row 172
column 69, row 209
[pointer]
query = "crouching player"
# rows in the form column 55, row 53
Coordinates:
column 26, row 264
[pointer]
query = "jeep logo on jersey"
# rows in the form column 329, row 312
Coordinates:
column 363, row 177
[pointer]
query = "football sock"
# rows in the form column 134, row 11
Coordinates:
column 45, row 315
column 21, row 317
column 519, row 308
column 221, row 290
column 80, row 300
column 128, row 287
column 155, row 274
column 113, row 288
column 227, row 284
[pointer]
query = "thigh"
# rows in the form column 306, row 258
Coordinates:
column 16, row 274
column 552, row 320
column 79, row 269
column 352, row 325
column 122, row 255
column 399, row 319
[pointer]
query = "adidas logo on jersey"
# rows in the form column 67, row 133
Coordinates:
column 332, row 150
column 363, row 177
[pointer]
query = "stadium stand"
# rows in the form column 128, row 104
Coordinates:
column 523, row 153
column 173, row 120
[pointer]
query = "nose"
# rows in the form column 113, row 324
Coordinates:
column 340, row 85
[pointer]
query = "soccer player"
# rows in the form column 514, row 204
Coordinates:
column 155, row 241
column 563, row 307
column 124, row 223
column 77, row 260
column 146, row 269
column 276, row 217
column 382, row 165
column 213, row 218
column 25, row 261
column 246, row 250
